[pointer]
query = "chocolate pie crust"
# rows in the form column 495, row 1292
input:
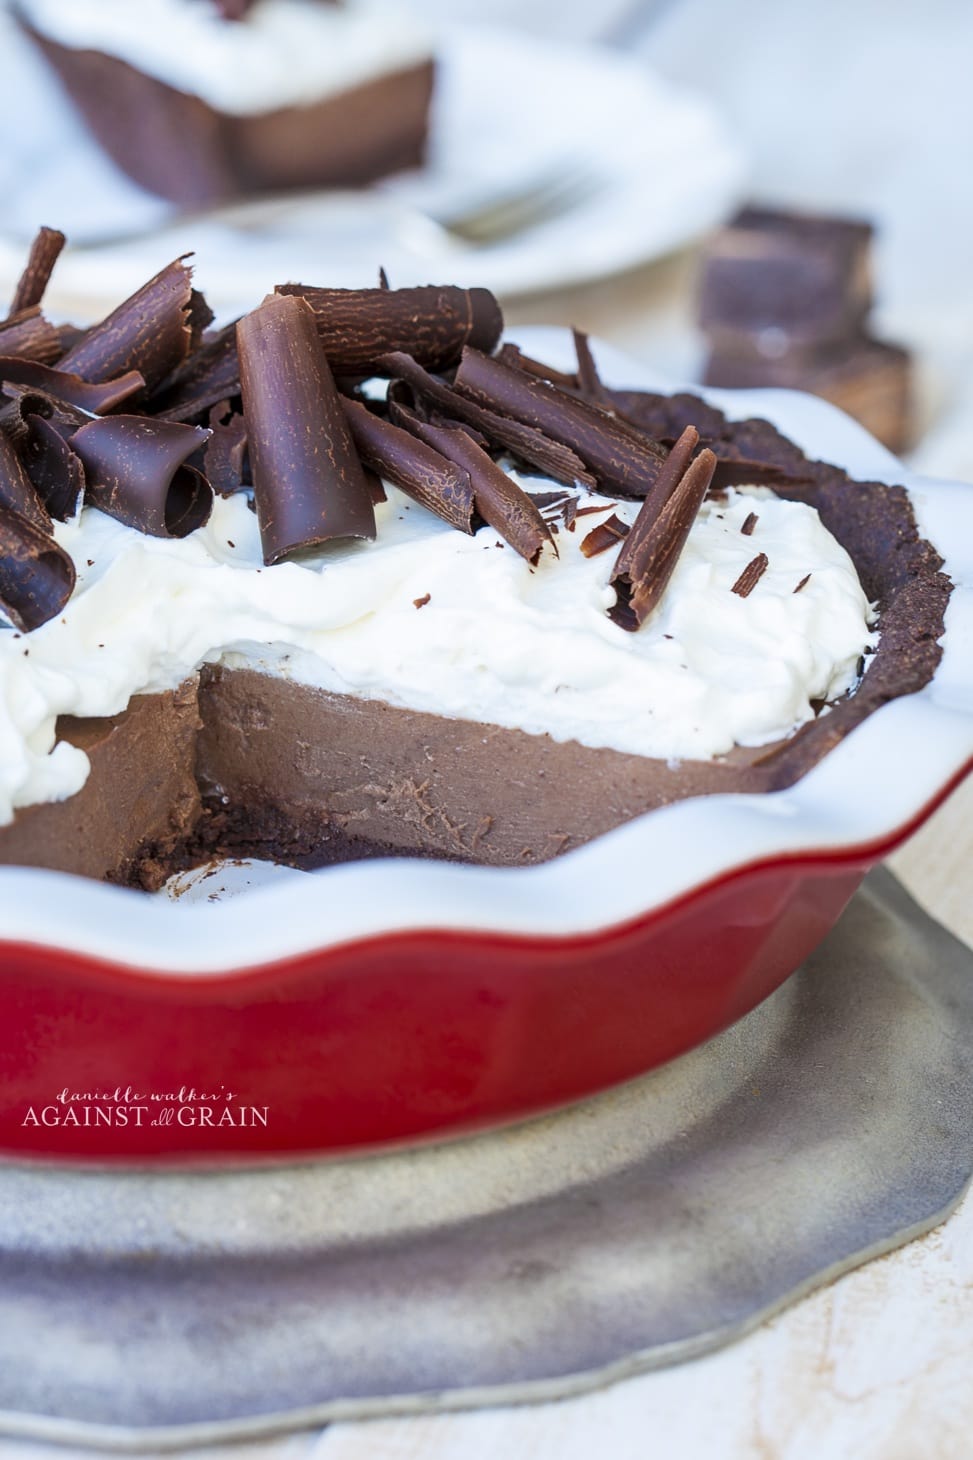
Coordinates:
column 243, row 763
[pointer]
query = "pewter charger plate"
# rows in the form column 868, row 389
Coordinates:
column 642, row 1228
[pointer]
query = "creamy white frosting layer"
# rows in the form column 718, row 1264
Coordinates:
column 497, row 641
column 286, row 52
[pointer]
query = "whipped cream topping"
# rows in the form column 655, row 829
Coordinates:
column 496, row 641
column 285, row 53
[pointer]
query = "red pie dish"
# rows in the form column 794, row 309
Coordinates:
column 404, row 1000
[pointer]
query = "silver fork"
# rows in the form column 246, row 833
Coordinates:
column 490, row 219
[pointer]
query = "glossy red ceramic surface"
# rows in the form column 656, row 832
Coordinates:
column 392, row 1039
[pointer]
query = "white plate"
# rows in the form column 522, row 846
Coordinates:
column 508, row 109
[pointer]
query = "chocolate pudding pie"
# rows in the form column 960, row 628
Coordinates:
column 350, row 578
column 200, row 100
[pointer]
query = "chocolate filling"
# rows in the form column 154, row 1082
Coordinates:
column 298, row 775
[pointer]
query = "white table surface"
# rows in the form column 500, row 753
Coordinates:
column 876, row 1366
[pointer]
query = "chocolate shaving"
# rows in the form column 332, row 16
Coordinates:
column 589, row 380
column 150, row 332
column 751, row 575
column 30, row 336
column 136, row 471
column 672, row 473
column 61, row 385
column 750, row 524
column 498, row 499
column 44, row 252
column 17, row 493
column 402, row 457
column 551, row 457
column 607, row 534
column 512, row 355
column 308, row 482
column 36, row 575
column 224, row 460
column 383, row 278
column 54, row 469
column 430, row 323
column 209, row 375
column 621, row 457
column 743, row 472
column 376, row 487
column 654, row 545
column 803, row 583
column 421, row 602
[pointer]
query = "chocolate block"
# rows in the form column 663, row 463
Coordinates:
column 870, row 380
column 774, row 283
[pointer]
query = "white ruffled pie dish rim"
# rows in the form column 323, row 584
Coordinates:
column 866, row 791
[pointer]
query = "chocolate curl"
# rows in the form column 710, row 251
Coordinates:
column 607, row 534
column 208, row 376
column 652, row 549
column 17, row 493
column 676, row 465
column 589, row 380
column 225, row 453
column 741, row 471
column 402, row 457
column 30, row 336
column 308, row 482
column 551, row 457
column 24, row 401
column 64, row 386
column 150, row 332
column 44, row 252
column 498, row 500
column 135, row 471
column 430, row 323
column 512, row 355
column 55, row 471
column 36, row 574
column 621, row 457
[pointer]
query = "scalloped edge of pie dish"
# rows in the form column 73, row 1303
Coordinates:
column 856, row 801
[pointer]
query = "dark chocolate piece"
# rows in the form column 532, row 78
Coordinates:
column 870, row 380
column 150, row 332
column 751, row 576
column 512, row 355
column 17, row 493
column 653, row 547
column 777, row 282
column 224, row 461
column 308, row 482
column 751, row 521
column 136, row 471
column 54, row 469
column 498, row 499
column 607, row 534
column 94, row 397
column 672, row 473
column 589, row 381
column 430, row 323
column 44, row 253
column 209, row 375
column 803, row 583
column 36, row 574
column 376, row 487
column 402, row 457
column 30, row 336
column 622, row 458
column 532, row 446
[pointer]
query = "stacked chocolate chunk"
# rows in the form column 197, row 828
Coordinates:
column 785, row 301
